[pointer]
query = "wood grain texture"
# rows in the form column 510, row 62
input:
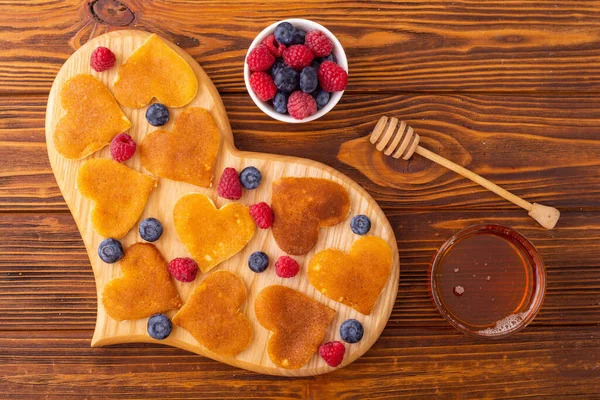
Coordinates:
column 536, row 61
column 523, row 143
column 161, row 202
column 442, row 45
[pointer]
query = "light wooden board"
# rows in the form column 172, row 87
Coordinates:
column 164, row 196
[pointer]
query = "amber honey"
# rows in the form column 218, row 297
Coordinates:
column 488, row 280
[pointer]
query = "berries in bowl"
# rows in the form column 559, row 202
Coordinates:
column 296, row 70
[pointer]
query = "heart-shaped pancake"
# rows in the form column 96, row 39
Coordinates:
column 211, row 314
column 303, row 205
column 188, row 152
column 297, row 322
column 355, row 278
column 119, row 193
column 212, row 235
column 144, row 289
column 93, row 117
column 155, row 70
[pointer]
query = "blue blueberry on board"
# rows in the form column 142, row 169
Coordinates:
column 308, row 80
column 360, row 224
column 157, row 114
column 277, row 65
column 159, row 326
column 351, row 331
column 321, row 97
column 258, row 261
column 284, row 33
column 110, row 250
column 280, row 102
column 250, row 178
column 299, row 37
column 151, row 229
column 286, row 79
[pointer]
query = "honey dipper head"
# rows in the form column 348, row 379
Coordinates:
column 394, row 138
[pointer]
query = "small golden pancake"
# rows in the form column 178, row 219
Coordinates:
column 144, row 289
column 212, row 236
column 155, row 70
column 119, row 193
column 356, row 278
column 188, row 152
column 301, row 206
column 297, row 322
column 212, row 316
column 93, row 117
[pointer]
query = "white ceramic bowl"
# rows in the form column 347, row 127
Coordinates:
column 338, row 52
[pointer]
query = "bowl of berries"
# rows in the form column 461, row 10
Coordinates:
column 296, row 70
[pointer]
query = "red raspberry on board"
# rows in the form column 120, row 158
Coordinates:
column 183, row 269
column 274, row 47
column 319, row 43
column 122, row 147
column 298, row 56
column 301, row 105
column 262, row 214
column 332, row 353
column 229, row 186
column 332, row 77
column 260, row 59
column 102, row 59
column 263, row 85
column 286, row 267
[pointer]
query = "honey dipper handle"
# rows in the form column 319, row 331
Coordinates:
column 546, row 216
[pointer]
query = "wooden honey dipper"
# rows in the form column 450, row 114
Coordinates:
column 395, row 138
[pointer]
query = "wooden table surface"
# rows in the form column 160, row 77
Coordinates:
column 510, row 89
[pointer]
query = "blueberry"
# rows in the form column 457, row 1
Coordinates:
column 351, row 331
column 321, row 97
column 308, row 80
column 299, row 36
column 258, row 261
column 250, row 178
column 280, row 102
column 329, row 57
column 159, row 326
column 316, row 63
column 277, row 65
column 284, row 33
column 151, row 229
column 360, row 224
column 286, row 79
column 110, row 250
column 157, row 114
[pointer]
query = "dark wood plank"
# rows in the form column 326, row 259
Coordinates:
column 406, row 362
column 541, row 147
column 46, row 280
column 410, row 45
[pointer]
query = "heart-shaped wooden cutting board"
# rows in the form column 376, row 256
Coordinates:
column 163, row 198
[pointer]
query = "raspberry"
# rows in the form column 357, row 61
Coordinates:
column 229, row 186
column 298, row 56
column 183, row 269
column 262, row 214
column 286, row 267
column 301, row 105
column 260, row 58
column 263, row 85
column 122, row 147
column 274, row 47
column 332, row 77
column 102, row 59
column 318, row 43
column 332, row 353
